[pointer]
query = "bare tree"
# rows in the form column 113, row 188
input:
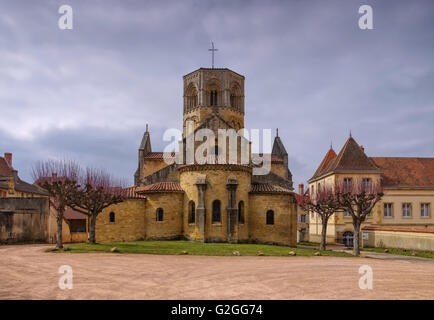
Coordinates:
column 99, row 190
column 358, row 198
column 324, row 202
column 59, row 178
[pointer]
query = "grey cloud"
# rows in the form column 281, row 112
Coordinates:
column 309, row 71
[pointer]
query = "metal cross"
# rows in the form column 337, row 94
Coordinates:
column 212, row 50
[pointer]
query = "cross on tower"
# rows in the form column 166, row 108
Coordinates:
column 212, row 51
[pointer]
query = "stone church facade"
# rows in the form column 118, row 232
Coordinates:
column 218, row 201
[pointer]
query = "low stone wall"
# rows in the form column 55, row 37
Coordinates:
column 422, row 240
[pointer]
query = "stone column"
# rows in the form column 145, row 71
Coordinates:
column 200, row 210
column 232, row 210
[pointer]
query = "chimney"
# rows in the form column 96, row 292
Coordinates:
column 8, row 158
column 301, row 188
column 363, row 149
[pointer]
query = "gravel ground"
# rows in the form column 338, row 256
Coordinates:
column 27, row 272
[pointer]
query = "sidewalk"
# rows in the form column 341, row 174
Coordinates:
column 368, row 254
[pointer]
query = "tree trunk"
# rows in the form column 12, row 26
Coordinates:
column 92, row 228
column 356, row 239
column 322, row 245
column 59, row 219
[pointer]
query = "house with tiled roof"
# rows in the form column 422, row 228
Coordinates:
column 10, row 183
column 24, row 207
column 403, row 218
column 217, row 200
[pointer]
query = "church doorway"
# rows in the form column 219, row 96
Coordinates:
column 348, row 238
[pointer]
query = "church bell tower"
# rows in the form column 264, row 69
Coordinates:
column 209, row 91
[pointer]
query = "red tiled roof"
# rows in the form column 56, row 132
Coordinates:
column 131, row 193
column 157, row 155
column 268, row 188
column 397, row 229
column 351, row 157
column 406, row 172
column 70, row 214
column 330, row 155
column 161, row 187
column 299, row 198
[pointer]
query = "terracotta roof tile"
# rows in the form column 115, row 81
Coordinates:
column 156, row 155
column 268, row 188
column 71, row 214
column 351, row 157
column 161, row 187
column 330, row 155
column 406, row 172
column 131, row 193
column 299, row 198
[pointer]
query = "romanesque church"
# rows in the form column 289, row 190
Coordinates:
column 211, row 202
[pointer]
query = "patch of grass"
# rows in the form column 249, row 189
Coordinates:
column 422, row 254
column 196, row 248
column 310, row 244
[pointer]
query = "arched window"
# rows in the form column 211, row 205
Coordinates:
column 270, row 217
column 213, row 97
column 112, row 217
column 241, row 212
column 191, row 212
column 160, row 214
column 191, row 100
column 236, row 97
column 216, row 212
column 213, row 91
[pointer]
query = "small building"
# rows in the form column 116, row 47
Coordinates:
column 24, row 208
column 402, row 219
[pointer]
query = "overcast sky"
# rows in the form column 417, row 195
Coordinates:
column 87, row 93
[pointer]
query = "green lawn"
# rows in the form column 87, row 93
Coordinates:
column 310, row 244
column 195, row 248
column 422, row 254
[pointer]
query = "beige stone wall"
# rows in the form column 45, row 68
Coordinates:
column 216, row 190
column 129, row 222
column 279, row 169
column 399, row 240
column 151, row 166
column 399, row 196
column 199, row 115
column 284, row 230
column 171, row 227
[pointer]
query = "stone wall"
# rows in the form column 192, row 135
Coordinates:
column 423, row 241
column 129, row 224
column 216, row 177
column 284, row 230
column 24, row 219
column 171, row 227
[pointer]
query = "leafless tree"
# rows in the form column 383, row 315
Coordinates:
column 59, row 178
column 358, row 198
column 324, row 202
column 99, row 190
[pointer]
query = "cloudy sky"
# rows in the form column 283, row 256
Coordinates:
column 87, row 93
